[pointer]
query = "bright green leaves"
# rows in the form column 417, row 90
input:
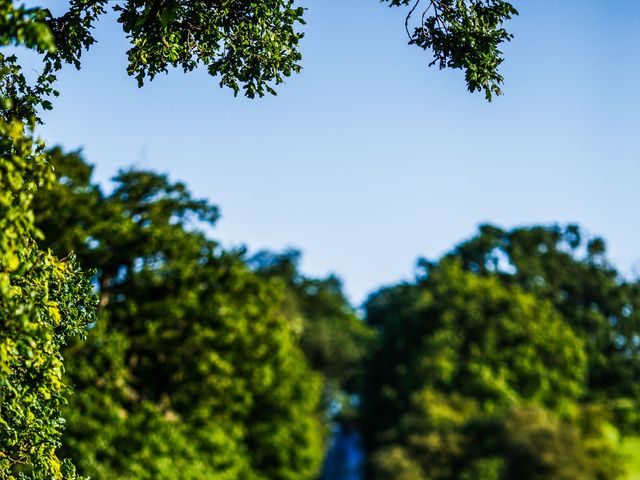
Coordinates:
column 463, row 34
column 251, row 46
column 43, row 302
column 27, row 27
column 40, row 312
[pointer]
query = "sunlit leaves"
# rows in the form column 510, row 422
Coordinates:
column 43, row 303
column 505, row 358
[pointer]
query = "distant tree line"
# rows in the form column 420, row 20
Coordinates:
column 202, row 363
column 514, row 356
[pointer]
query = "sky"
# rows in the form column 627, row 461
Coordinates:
column 368, row 159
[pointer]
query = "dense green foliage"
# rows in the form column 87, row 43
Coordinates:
column 333, row 337
column 517, row 355
column 521, row 442
column 571, row 270
column 44, row 301
column 191, row 370
column 250, row 45
column 508, row 358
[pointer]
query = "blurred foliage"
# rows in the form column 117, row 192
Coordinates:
column 629, row 448
column 570, row 269
column 514, row 356
column 522, row 442
column 333, row 337
column 191, row 370
column 191, row 360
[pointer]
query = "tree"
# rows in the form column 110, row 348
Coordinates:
column 44, row 302
column 455, row 350
column 569, row 269
column 190, row 344
column 523, row 442
column 251, row 46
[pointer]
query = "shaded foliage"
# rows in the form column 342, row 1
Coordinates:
column 522, row 442
column 464, row 335
column 332, row 336
column 192, row 370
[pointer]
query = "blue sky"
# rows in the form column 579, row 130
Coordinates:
column 368, row 159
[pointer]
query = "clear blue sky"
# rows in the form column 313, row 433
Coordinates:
column 368, row 159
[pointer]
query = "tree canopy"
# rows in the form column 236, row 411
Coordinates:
column 515, row 346
column 565, row 266
column 333, row 337
column 190, row 344
column 44, row 302
column 462, row 35
column 249, row 46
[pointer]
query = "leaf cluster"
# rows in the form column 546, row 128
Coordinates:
column 463, row 34
column 44, row 302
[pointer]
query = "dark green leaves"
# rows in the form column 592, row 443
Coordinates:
column 463, row 34
column 252, row 46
